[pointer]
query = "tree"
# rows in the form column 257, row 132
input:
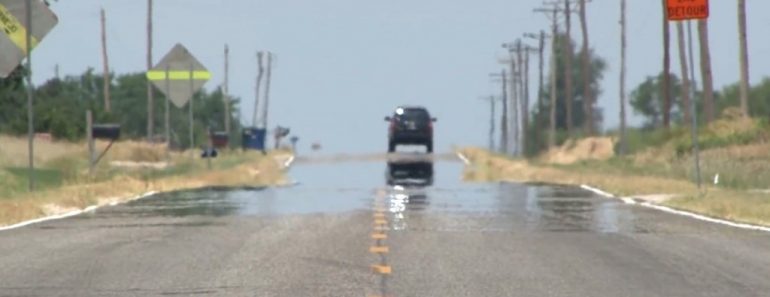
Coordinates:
column 647, row 100
column 597, row 68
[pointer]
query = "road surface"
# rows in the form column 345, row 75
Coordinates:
column 343, row 232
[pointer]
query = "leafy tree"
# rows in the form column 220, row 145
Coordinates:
column 646, row 100
column 598, row 66
column 61, row 104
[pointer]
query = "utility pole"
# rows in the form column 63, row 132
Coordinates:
column 665, row 90
column 588, row 100
column 106, row 64
column 685, row 88
column 525, row 107
column 260, row 73
column 567, row 43
column 226, row 89
column 491, row 100
column 553, row 13
column 705, row 68
column 30, row 101
column 514, row 95
column 744, row 57
column 623, row 144
column 691, row 55
column 150, row 92
column 540, row 91
column 504, row 117
column 265, row 108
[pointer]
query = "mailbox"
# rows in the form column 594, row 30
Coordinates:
column 220, row 139
column 106, row 131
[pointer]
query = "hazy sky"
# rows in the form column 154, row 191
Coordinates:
column 344, row 64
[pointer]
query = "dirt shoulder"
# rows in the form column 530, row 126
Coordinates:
column 123, row 183
column 731, row 204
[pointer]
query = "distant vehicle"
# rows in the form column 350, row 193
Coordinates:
column 409, row 173
column 410, row 125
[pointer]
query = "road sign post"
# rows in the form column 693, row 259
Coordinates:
column 682, row 10
column 178, row 76
column 17, row 39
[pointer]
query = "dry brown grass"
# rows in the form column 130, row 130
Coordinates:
column 591, row 148
column 118, row 184
column 717, row 202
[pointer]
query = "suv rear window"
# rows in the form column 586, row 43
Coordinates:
column 413, row 114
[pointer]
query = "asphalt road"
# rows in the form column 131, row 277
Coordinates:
column 343, row 232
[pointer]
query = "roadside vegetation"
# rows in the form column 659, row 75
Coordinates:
column 127, row 170
column 659, row 167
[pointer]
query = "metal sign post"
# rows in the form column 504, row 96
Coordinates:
column 17, row 39
column 178, row 76
column 682, row 10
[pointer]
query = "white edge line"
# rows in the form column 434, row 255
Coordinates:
column 71, row 213
column 288, row 162
column 705, row 218
column 597, row 191
column 462, row 157
column 670, row 210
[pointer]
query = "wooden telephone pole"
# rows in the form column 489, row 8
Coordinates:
column 665, row 89
column 150, row 92
column 226, row 89
column 553, row 13
column 623, row 44
column 567, row 44
column 588, row 100
column 705, row 67
column 540, row 91
column 106, row 64
column 260, row 73
column 268, row 76
column 744, row 57
column 504, row 117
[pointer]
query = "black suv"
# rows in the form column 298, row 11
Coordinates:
column 410, row 125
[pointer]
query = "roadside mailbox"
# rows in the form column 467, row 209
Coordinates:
column 106, row 131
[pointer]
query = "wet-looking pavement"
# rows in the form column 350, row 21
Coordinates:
column 403, row 227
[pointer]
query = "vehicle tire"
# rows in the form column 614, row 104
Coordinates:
column 391, row 147
column 429, row 147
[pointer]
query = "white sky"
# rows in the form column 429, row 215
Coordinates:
column 345, row 64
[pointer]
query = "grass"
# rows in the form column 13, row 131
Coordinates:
column 64, row 183
column 624, row 177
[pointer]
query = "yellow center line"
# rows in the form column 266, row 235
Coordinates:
column 381, row 269
column 379, row 250
column 15, row 30
column 379, row 236
column 379, row 215
column 380, row 222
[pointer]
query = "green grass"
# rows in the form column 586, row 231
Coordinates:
column 18, row 176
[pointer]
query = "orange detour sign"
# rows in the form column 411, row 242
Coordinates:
column 679, row 10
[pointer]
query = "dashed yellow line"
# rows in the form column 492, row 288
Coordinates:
column 379, row 250
column 381, row 269
column 380, row 222
column 379, row 215
column 379, row 236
